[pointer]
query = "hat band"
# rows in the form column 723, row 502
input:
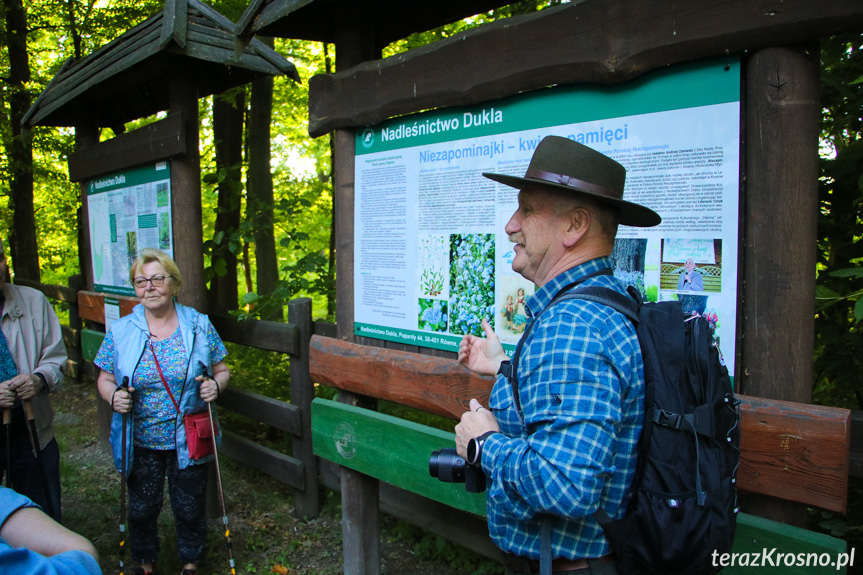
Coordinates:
column 571, row 182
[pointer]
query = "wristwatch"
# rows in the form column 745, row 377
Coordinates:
column 474, row 448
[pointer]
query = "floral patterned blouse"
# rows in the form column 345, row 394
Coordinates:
column 154, row 413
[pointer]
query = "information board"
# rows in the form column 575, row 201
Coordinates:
column 431, row 255
column 128, row 211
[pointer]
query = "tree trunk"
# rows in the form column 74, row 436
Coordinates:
column 260, row 189
column 228, row 114
column 19, row 149
column 331, row 264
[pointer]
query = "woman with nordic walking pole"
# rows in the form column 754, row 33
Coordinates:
column 160, row 347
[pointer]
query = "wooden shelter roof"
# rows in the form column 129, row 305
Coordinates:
column 128, row 78
column 317, row 20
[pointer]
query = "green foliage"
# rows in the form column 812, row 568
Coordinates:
column 261, row 371
column 58, row 31
column 839, row 306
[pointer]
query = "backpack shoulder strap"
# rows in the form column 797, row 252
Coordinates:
column 628, row 306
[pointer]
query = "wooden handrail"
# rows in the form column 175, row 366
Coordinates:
column 433, row 384
column 793, row 451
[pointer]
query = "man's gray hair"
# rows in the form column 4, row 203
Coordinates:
column 604, row 214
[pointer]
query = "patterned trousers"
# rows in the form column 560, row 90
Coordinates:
column 187, row 489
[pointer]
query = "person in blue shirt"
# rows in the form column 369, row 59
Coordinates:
column 33, row 543
column 566, row 444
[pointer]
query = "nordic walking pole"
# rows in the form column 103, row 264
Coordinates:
column 37, row 452
column 122, row 553
column 219, row 479
column 7, row 425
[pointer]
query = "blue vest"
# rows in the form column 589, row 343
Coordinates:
column 131, row 335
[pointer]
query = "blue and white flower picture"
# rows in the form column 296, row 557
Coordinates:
column 432, row 315
column 471, row 282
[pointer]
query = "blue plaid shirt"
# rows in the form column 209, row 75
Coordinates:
column 581, row 387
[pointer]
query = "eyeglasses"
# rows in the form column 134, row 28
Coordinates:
column 157, row 281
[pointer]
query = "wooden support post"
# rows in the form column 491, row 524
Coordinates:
column 75, row 282
column 779, row 209
column 75, row 362
column 360, row 519
column 186, row 210
column 360, row 493
column 306, row 501
column 86, row 136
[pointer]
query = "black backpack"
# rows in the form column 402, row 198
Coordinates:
column 684, row 500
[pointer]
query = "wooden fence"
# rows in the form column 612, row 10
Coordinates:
column 300, row 470
column 791, row 451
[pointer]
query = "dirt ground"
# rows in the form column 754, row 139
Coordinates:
column 266, row 537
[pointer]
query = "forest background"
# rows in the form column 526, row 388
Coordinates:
column 268, row 232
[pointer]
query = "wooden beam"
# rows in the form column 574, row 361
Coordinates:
column 779, row 206
column 263, row 409
column 86, row 136
column 433, row 384
column 160, row 140
column 186, row 211
column 174, row 23
column 593, row 41
column 792, row 451
column 282, row 467
column 270, row 335
column 61, row 293
column 343, row 218
column 362, row 440
column 779, row 209
column 306, row 504
column 91, row 305
column 795, row 451
column 250, row 14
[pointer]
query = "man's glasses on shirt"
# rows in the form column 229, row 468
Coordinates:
column 157, row 281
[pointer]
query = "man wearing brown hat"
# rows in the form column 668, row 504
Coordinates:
column 558, row 440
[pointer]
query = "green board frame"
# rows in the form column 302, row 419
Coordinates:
column 388, row 448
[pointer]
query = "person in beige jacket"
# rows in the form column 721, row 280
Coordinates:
column 31, row 356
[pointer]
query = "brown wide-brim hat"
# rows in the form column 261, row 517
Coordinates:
column 565, row 164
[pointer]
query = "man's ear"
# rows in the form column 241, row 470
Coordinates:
column 579, row 223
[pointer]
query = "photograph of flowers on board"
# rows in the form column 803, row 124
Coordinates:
column 471, row 282
column 433, row 270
